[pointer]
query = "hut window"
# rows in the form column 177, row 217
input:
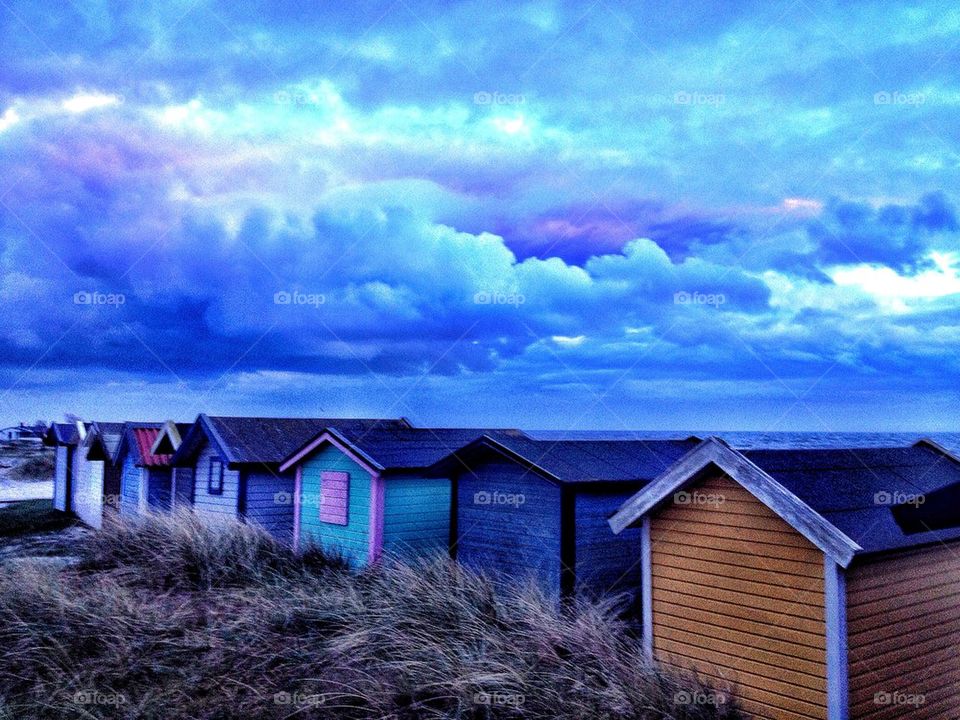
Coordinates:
column 334, row 497
column 215, row 477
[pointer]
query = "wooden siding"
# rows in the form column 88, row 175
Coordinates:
column 516, row 541
column 130, row 479
column 87, row 491
column 158, row 488
column 903, row 631
column 334, row 496
column 738, row 595
column 214, row 506
column 605, row 563
column 270, row 502
column 416, row 515
column 352, row 539
column 61, row 467
column 111, row 487
column 182, row 487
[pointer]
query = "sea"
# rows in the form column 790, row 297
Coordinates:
column 748, row 440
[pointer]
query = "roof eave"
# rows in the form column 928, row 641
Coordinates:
column 713, row 451
column 489, row 443
column 333, row 437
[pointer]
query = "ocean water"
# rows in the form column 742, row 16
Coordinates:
column 749, row 440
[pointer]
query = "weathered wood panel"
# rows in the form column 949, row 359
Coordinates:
column 508, row 524
column 416, row 515
column 605, row 563
column 60, row 470
column 903, row 634
column 209, row 504
column 738, row 595
column 351, row 540
column 269, row 502
column 130, row 479
column 87, row 491
column 158, row 488
column 182, row 487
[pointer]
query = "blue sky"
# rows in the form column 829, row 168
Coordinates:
column 612, row 215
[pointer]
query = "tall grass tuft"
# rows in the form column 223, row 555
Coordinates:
column 178, row 550
column 173, row 618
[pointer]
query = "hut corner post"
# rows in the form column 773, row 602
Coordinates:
column 646, row 570
column 835, row 590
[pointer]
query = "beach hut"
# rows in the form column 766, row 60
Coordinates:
column 525, row 508
column 64, row 438
column 235, row 462
column 167, row 442
column 95, row 483
column 145, row 478
column 806, row 582
column 362, row 492
column 103, row 441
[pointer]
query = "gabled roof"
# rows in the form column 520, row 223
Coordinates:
column 138, row 437
column 103, row 439
column 170, row 437
column 575, row 461
column 387, row 448
column 841, row 500
column 249, row 440
column 63, row 433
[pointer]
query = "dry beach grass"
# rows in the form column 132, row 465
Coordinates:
column 173, row 618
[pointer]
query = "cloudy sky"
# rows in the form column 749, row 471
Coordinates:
column 726, row 215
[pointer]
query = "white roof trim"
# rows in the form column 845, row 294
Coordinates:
column 334, row 438
column 169, row 429
column 936, row 447
column 804, row 519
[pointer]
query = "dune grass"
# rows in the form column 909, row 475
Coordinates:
column 171, row 618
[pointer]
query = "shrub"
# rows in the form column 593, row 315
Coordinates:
column 35, row 468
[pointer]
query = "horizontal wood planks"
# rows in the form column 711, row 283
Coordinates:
column 605, row 563
column 903, row 633
column 737, row 595
column 508, row 524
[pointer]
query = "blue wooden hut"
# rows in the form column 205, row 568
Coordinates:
column 167, row 442
column 145, row 477
column 538, row 508
column 362, row 492
column 235, row 465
